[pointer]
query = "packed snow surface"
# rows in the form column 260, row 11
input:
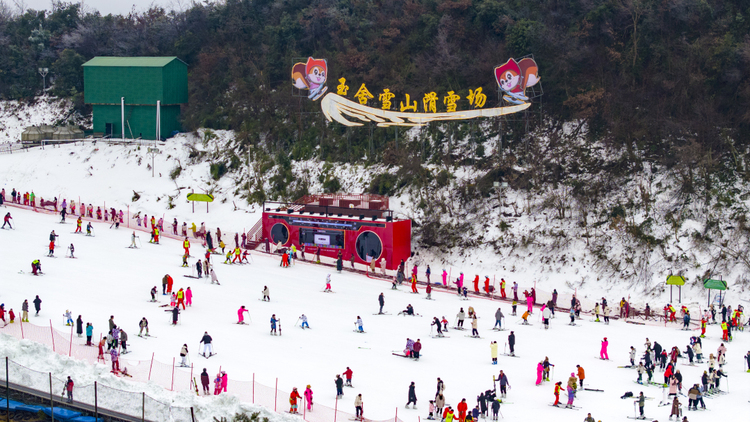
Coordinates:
column 107, row 279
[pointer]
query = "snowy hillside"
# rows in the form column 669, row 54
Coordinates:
column 109, row 279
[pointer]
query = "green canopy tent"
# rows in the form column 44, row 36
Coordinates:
column 675, row 280
column 713, row 284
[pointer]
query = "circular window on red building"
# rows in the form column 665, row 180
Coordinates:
column 279, row 233
column 368, row 243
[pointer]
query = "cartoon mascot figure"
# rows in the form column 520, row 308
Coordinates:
column 514, row 77
column 311, row 76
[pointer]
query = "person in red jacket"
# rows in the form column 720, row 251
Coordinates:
column 348, row 375
column 487, row 285
column 414, row 283
column 293, row 400
column 416, row 349
column 558, row 388
column 476, row 283
column 462, row 407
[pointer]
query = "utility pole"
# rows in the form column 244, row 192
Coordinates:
column 153, row 152
column 44, row 71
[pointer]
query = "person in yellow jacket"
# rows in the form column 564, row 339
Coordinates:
column 222, row 245
column 186, row 245
column 558, row 388
column 237, row 254
column 493, row 352
column 725, row 331
column 229, row 258
column 156, row 234
column 181, row 298
column 78, row 225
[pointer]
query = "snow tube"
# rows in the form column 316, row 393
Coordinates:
column 60, row 413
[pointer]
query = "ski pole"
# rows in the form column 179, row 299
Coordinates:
column 295, row 324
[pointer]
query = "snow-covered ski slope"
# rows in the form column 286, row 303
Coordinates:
column 107, row 279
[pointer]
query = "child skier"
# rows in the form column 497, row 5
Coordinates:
column 328, row 284
column 72, row 250
column 88, row 229
column 68, row 318
column 304, row 321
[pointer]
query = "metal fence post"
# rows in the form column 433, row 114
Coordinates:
column 96, row 400
column 275, row 394
column 335, row 408
column 51, row 401
column 70, row 349
column 171, row 385
column 150, row 366
column 7, row 389
column 143, row 406
column 253, row 387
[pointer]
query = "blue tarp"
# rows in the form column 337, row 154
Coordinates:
column 62, row 414
column 86, row 419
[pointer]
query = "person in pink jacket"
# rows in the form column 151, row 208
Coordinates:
column 530, row 304
column 445, row 277
column 460, row 283
column 188, row 297
column 603, row 352
column 308, row 398
column 539, row 373
column 241, row 314
column 224, row 381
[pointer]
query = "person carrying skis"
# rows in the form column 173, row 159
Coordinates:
column 207, row 346
column 348, row 376
column 241, row 314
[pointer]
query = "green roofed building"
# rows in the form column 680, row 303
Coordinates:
column 139, row 82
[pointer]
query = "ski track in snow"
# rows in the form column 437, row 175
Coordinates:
column 109, row 279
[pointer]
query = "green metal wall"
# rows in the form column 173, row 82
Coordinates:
column 142, row 120
column 141, row 80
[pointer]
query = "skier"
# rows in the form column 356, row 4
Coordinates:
column 214, row 279
column 72, row 250
column 572, row 387
column 6, row 220
column 339, row 386
column 181, row 298
column 199, row 268
column 25, row 311
column 436, row 322
column 504, row 384
column 558, row 387
column 185, row 245
column 175, row 313
column 68, row 318
column 359, row 325
column 69, row 384
column 581, row 374
column 428, row 290
column 205, row 382
column 206, row 340
column 460, row 316
column 499, row 319
column 381, row 302
column 217, row 384
column 37, row 306
column 328, row 283
column 273, row 324
column 115, row 360
column 493, row 352
column 124, row 341
column 89, row 226
column 414, row 283
column 304, row 321
column 293, row 397
column 266, row 294
column 474, row 331
column 511, row 342
column 143, row 325
column 358, row 407
column 308, row 396
column 348, row 375
column 546, row 314
column 539, row 372
column 240, row 314
column 413, row 396
column 603, row 352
